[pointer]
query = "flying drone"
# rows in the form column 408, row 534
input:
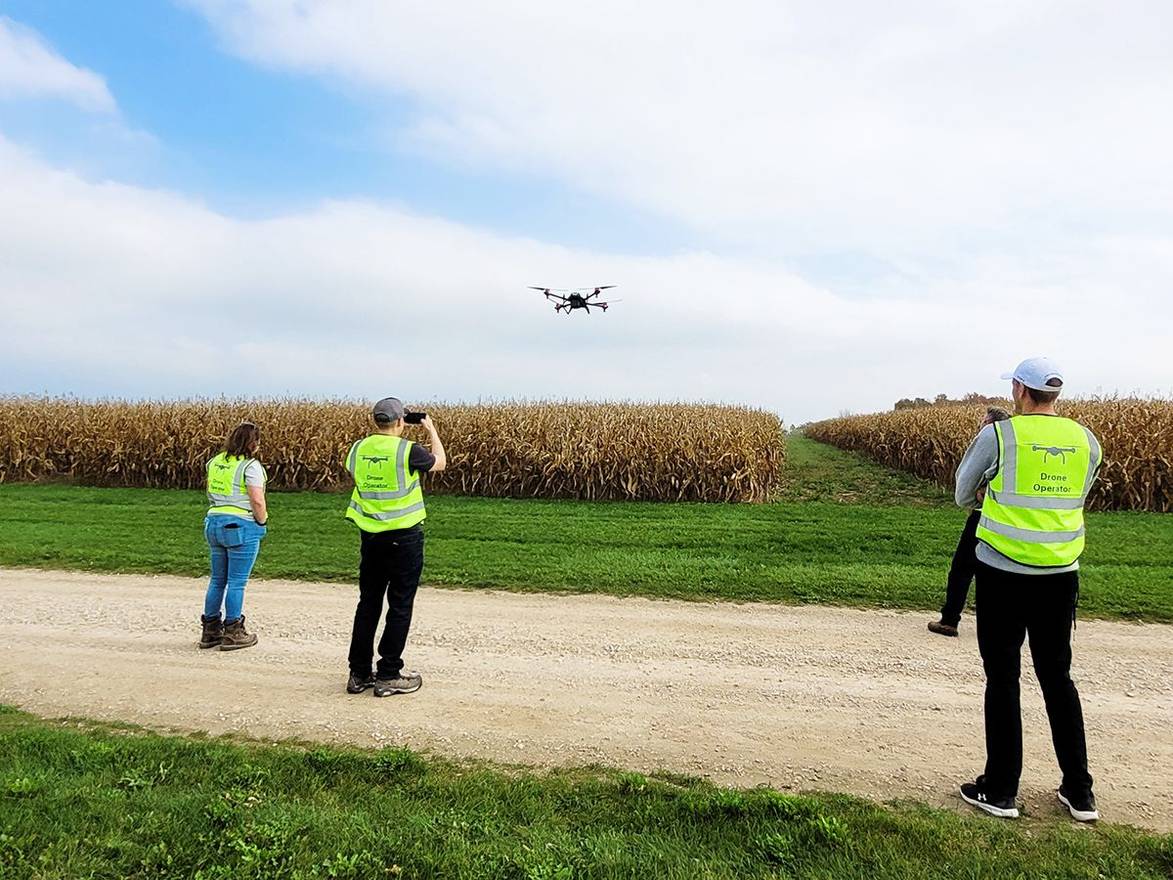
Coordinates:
column 576, row 298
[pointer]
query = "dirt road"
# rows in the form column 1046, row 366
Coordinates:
column 799, row 698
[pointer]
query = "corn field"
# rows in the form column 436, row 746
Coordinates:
column 1136, row 434
column 598, row 451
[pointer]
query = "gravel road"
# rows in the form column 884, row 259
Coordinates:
column 795, row 697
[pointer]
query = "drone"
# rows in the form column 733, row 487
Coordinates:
column 576, row 298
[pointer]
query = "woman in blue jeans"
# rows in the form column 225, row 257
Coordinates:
column 236, row 523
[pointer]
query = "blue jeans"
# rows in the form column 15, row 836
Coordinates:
column 234, row 542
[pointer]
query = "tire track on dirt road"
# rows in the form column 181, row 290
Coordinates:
column 795, row 697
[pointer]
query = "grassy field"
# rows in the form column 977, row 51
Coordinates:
column 883, row 539
column 82, row 800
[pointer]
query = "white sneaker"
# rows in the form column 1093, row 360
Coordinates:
column 975, row 794
column 1082, row 809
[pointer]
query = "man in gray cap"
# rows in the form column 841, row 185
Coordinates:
column 1037, row 469
column 387, row 505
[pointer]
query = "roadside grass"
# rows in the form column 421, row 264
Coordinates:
column 851, row 551
column 85, row 800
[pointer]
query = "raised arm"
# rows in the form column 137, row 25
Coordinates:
column 437, row 446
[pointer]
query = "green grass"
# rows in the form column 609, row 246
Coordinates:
column 818, row 472
column 810, row 551
column 82, row 800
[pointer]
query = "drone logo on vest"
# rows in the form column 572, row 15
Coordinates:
column 1048, row 451
column 376, row 460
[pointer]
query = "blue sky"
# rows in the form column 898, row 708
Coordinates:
column 811, row 209
column 254, row 142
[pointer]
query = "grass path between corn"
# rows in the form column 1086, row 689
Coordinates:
column 865, row 702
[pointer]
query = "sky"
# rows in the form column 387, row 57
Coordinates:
column 813, row 208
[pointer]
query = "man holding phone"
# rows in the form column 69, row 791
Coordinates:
column 387, row 505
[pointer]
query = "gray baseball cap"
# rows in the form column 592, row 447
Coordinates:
column 1036, row 373
column 389, row 409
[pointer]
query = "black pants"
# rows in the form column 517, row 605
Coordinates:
column 961, row 572
column 391, row 564
column 1009, row 607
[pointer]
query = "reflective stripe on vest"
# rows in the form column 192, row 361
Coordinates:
column 1028, row 535
column 387, row 495
column 227, row 492
column 387, row 515
column 1033, row 510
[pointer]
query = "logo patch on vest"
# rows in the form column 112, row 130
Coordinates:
column 1059, row 451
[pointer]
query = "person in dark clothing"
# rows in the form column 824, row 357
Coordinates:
column 390, row 564
column 961, row 571
column 387, row 505
column 1012, row 606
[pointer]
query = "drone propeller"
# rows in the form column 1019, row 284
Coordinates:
column 596, row 291
column 545, row 291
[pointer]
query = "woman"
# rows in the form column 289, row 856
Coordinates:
column 234, row 527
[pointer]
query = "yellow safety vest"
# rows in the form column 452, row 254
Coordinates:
column 227, row 492
column 387, row 495
column 1033, row 510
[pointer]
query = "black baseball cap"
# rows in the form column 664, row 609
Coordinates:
column 389, row 409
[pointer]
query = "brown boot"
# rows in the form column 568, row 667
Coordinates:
column 942, row 629
column 213, row 632
column 236, row 636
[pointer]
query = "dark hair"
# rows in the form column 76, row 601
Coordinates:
column 243, row 440
column 1044, row 397
column 996, row 414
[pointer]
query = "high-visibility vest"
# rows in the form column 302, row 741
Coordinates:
column 1033, row 510
column 387, row 495
column 227, row 492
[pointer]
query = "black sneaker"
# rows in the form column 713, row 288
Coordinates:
column 975, row 794
column 404, row 683
column 356, row 684
column 1082, row 807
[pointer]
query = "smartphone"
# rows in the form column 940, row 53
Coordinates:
column 414, row 418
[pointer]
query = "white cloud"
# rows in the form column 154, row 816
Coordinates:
column 911, row 130
column 115, row 289
column 29, row 68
